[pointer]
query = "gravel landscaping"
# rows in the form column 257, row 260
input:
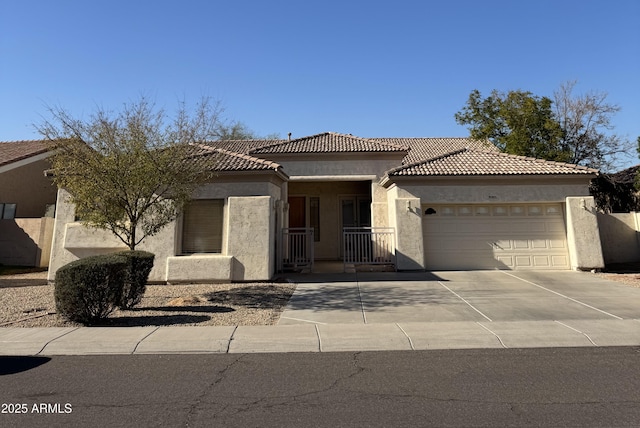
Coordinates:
column 27, row 301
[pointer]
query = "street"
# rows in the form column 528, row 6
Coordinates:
column 487, row 387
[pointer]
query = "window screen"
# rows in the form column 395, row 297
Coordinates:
column 202, row 226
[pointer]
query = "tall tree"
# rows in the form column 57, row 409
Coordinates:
column 131, row 172
column 586, row 124
column 570, row 128
column 517, row 122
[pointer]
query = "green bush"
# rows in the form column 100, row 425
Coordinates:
column 89, row 289
column 139, row 264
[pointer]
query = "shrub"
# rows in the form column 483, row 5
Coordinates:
column 89, row 289
column 138, row 267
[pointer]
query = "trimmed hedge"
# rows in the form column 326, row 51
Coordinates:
column 139, row 264
column 89, row 289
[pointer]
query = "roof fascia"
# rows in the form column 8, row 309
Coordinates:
column 25, row 161
column 475, row 180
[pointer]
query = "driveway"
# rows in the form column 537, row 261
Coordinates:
column 481, row 296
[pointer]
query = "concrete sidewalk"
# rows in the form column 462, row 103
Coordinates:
column 318, row 338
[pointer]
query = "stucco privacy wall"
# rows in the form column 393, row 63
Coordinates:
column 26, row 241
column 619, row 237
column 583, row 235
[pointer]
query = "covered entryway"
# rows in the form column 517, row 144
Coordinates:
column 494, row 236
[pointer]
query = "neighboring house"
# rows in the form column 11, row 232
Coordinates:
column 416, row 203
column 27, row 204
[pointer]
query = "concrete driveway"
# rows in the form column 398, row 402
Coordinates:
column 476, row 296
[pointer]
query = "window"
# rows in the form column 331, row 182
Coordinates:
column 202, row 226
column 7, row 211
column 314, row 216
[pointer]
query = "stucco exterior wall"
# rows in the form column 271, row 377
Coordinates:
column 251, row 237
column 28, row 188
column 248, row 250
column 409, row 237
column 336, row 165
column 619, row 237
column 583, row 234
column 473, row 190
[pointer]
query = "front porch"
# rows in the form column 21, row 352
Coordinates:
column 364, row 249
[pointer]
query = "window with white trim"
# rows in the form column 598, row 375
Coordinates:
column 202, row 226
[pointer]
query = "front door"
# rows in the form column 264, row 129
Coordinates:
column 355, row 211
column 297, row 211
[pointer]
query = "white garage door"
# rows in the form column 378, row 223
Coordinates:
column 522, row 236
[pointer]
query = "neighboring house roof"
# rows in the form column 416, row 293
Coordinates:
column 468, row 162
column 626, row 176
column 329, row 142
column 14, row 151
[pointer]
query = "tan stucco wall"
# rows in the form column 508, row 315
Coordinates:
column 474, row 190
column 26, row 241
column 409, row 237
column 619, row 237
column 249, row 239
column 583, row 234
column 27, row 187
column 337, row 164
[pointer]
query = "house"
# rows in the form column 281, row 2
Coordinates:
column 27, row 203
column 415, row 203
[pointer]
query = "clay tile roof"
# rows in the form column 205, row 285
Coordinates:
column 230, row 161
column 329, row 142
column 428, row 148
column 18, row 150
column 466, row 162
column 241, row 146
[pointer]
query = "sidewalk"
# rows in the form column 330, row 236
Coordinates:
column 318, row 337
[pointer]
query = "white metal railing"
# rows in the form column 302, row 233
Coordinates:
column 369, row 245
column 296, row 249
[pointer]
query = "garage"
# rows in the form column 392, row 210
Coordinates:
column 494, row 236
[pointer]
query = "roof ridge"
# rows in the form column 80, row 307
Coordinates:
column 333, row 138
column 40, row 140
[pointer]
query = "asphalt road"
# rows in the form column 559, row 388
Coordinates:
column 491, row 387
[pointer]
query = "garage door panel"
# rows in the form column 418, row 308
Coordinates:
column 515, row 236
column 557, row 243
column 540, row 243
column 556, row 227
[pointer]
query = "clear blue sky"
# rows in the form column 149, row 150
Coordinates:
column 370, row 68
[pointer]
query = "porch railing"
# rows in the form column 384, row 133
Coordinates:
column 296, row 249
column 369, row 246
